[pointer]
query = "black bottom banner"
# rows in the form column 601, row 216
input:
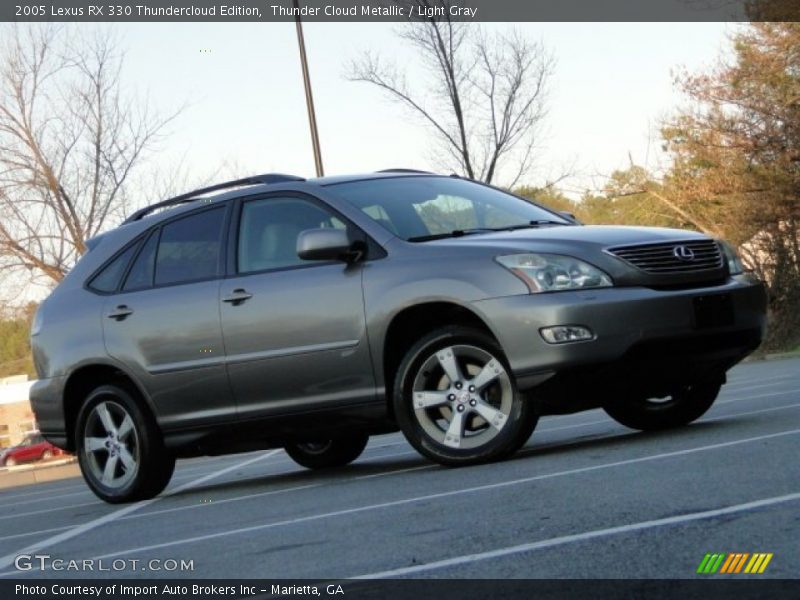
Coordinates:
column 461, row 589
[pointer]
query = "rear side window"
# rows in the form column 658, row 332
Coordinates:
column 108, row 279
column 189, row 249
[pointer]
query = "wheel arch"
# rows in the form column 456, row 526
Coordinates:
column 88, row 377
column 408, row 325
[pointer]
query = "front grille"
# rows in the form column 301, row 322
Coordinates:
column 672, row 258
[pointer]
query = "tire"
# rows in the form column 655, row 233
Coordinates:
column 456, row 400
column 683, row 407
column 327, row 454
column 11, row 462
column 47, row 455
column 112, row 426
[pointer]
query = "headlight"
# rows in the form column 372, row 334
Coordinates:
column 735, row 265
column 552, row 272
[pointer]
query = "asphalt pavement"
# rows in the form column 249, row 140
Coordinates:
column 586, row 498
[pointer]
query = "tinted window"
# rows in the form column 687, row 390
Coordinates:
column 269, row 228
column 418, row 207
column 141, row 273
column 108, row 279
column 189, row 248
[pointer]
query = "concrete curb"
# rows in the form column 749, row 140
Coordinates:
column 15, row 477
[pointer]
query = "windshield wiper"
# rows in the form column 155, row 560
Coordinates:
column 449, row 234
column 462, row 232
column 532, row 225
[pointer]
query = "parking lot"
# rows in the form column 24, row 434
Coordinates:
column 585, row 498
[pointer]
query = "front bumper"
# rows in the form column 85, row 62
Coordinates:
column 652, row 330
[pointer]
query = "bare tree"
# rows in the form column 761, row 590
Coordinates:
column 70, row 140
column 486, row 94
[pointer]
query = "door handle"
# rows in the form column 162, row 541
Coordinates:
column 238, row 296
column 120, row 313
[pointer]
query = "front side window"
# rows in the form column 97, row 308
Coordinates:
column 419, row 208
column 269, row 228
column 189, row 248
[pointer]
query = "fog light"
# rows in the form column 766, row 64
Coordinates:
column 563, row 334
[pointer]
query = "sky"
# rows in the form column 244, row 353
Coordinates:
column 245, row 112
column 244, row 105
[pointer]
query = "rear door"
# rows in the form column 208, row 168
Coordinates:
column 163, row 324
column 295, row 332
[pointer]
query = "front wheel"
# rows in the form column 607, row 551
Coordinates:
column 457, row 402
column 681, row 408
column 326, row 454
column 11, row 462
column 119, row 447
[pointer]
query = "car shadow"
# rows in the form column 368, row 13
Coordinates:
column 278, row 482
column 308, row 477
column 604, row 440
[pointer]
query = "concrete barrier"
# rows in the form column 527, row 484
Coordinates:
column 31, row 474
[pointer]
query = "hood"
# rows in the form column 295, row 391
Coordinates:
column 593, row 244
column 606, row 236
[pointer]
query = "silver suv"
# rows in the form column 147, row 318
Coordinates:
column 275, row 311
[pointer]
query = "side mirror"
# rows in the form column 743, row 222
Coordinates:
column 570, row 217
column 324, row 244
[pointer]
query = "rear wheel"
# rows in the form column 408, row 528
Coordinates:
column 325, row 454
column 47, row 455
column 119, row 447
column 681, row 408
column 457, row 402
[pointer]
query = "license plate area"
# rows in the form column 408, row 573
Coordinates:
column 713, row 311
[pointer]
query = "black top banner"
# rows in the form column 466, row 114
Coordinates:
column 400, row 10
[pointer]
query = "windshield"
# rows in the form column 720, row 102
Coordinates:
column 423, row 208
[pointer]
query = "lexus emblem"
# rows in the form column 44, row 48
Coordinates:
column 683, row 253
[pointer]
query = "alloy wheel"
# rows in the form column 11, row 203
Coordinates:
column 111, row 445
column 462, row 396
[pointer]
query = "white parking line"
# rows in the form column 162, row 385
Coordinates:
column 8, row 559
column 223, row 501
column 582, row 537
column 436, row 496
column 369, row 453
column 607, row 419
column 57, row 491
column 610, row 421
column 759, row 397
column 42, row 511
column 749, row 388
column 84, row 492
column 234, row 499
column 534, row 449
column 752, row 381
column 38, row 532
column 523, row 452
column 50, row 491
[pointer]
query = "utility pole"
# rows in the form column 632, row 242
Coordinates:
column 312, row 117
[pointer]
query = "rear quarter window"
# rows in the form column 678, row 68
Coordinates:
column 109, row 277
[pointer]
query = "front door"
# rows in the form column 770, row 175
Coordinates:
column 295, row 334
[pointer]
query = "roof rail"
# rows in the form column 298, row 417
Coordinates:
column 403, row 171
column 267, row 178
